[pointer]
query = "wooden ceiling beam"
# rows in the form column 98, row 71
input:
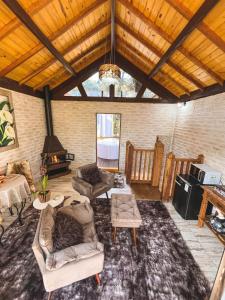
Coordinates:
column 114, row 99
column 140, row 76
column 18, row 10
column 13, row 85
column 82, row 55
column 85, row 73
column 170, row 40
column 67, row 50
column 113, row 40
column 201, row 13
column 72, row 82
column 157, row 52
column 141, row 92
column 136, row 53
column 15, row 22
column 202, row 27
column 208, row 91
column 85, row 13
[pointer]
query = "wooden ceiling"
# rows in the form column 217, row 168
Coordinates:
column 179, row 44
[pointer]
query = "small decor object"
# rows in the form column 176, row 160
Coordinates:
column 119, row 180
column 8, row 136
column 218, row 221
column 2, row 178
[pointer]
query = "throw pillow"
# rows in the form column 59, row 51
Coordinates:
column 91, row 174
column 81, row 213
column 68, row 232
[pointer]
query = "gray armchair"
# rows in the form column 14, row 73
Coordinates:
column 92, row 190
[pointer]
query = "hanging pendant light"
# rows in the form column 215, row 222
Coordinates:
column 110, row 73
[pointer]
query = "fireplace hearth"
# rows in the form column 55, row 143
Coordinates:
column 55, row 158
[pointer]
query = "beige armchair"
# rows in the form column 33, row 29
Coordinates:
column 73, row 263
column 89, row 190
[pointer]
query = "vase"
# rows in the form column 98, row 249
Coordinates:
column 44, row 196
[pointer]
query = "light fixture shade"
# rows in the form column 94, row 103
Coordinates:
column 109, row 74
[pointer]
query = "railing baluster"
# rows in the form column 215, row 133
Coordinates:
column 144, row 169
column 140, row 162
column 135, row 164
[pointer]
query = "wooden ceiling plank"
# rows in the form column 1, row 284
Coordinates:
column 201, row 13
column 53, row 37
column 202, row 27
column 18, row 10
column 66, row 51
column 147, row 61
column 204, row 67
column 74, row 61
column 169, row 39
column 15, row 22
column 157, row 52
column 20, row 60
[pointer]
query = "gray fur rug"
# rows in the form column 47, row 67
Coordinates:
column 161, row 267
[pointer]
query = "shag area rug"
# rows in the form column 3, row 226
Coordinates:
column 161, row 267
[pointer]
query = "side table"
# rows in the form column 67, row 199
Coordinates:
column 217, row 200
column 55, row 200
column 13, row 190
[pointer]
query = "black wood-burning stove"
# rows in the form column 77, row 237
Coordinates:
column 55, row 158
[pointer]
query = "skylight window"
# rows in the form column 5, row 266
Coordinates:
column 74, row 92
column 149, row 94
column 129, row 87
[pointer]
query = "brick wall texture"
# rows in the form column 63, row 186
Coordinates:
column 75, row 125
column 31, row 131
column 200, row 128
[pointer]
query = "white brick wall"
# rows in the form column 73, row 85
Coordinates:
column 200, row 128
column 31, row 131
column 75, row 125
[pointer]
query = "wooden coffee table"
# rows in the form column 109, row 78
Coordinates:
column 125, row 214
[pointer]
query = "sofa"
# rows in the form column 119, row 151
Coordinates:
column 71, row 264
column 92, row 190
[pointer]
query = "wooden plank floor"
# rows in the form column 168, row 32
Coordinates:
column 204, row 246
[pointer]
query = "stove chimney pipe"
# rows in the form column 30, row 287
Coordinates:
column 48, row 110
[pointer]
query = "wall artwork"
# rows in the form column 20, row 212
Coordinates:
column 8, row 136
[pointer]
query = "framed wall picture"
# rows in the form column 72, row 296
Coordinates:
column 8, row 135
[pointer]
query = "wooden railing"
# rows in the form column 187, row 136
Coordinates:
column 173, row 166
column 144, row 165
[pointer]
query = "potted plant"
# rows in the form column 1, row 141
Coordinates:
column 43, row 193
